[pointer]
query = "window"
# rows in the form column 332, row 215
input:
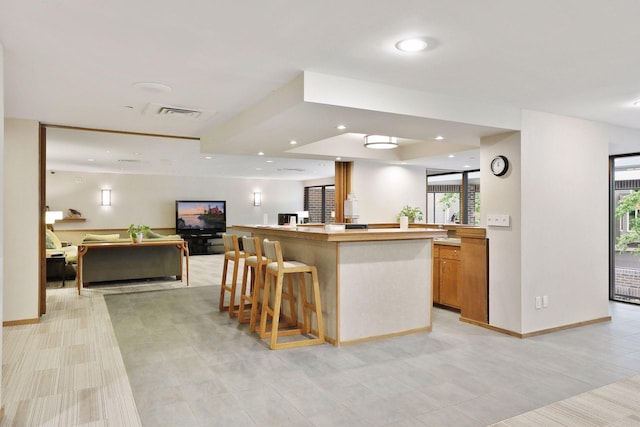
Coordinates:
column 319, row 201
column 453, row 198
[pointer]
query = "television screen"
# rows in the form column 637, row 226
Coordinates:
column 201, row 216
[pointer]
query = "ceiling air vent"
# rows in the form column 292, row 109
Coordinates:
column 128, row 161
column 179, row 112
column 153, row 109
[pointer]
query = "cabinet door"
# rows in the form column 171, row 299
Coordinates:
column 449, row 274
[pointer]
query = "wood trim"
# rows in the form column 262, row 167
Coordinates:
column 121, row 132
column 535, row 333
column 385, row 336
column 471, row 232
column 342, row 182
column 42, row 226
column 570, row 326
column 71, row 220
column 337, row 320
column 21, row 322
column 474, row 284
column 344, row 236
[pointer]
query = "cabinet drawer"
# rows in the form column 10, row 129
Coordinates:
column 450, row 252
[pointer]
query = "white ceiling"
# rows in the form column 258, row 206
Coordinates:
column 75, row 62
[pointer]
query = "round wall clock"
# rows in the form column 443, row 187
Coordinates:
column 499, row 165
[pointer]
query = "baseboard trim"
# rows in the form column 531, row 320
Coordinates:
column 385, row 336
column 21, row 322
column 536, row 333
column 562, row 328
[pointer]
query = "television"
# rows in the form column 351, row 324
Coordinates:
column 201, row 217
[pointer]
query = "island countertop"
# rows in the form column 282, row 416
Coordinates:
column 374, row 283
column 354, row 235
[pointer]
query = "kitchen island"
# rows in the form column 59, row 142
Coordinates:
column 374, row 283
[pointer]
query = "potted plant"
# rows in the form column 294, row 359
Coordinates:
column 137, row 232
column 414, row 214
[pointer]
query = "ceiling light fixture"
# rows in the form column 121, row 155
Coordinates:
column 439, row 138
column 411, row 45
column 260, row 153
column 293, row 142
column 341, row 127
column 380, row 142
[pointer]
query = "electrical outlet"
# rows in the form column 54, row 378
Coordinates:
column 538, row 303
column 545, row 301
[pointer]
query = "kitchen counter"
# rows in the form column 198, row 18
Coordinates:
column 374, row 283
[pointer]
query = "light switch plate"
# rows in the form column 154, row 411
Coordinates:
column 498, row 220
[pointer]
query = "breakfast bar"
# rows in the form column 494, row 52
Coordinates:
column 374, row 283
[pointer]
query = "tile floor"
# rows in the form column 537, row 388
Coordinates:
column 69, row 369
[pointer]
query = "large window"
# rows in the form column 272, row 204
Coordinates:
column 319, row 201
column 453, row 198
column 625, row 230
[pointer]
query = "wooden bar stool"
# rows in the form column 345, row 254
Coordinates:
column 232, row 253
column 276, row 269
column 254, row 261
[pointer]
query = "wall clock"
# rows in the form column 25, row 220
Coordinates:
column 499, row 165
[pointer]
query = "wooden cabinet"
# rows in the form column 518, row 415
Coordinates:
column 446, row 277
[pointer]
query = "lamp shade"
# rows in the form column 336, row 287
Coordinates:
column 52, row 216
column 380, row 142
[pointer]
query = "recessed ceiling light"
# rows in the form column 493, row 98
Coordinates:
column 439, row 138
column 260, row 153
column 208, row 157
column 341, row 127
column 293, row 142
column 338, row 158
column 91, row 160
column 451, row 156
column 466, row 166
column 152, row 87
column 269, row 161
column 411, row 45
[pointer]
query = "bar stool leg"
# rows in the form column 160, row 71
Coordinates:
column 255, row 298
column 246, row 300
column 229, row 287
column 223, row 285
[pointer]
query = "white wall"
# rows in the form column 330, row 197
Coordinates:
column 1, row 202
column 564, row 220
column 382, row 190
column 501, row 195
column 21, row 219
column 151, row 200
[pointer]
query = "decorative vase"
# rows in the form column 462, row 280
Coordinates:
column 137, row 238
column 404, row 222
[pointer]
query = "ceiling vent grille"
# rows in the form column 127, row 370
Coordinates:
column 179, row 112
column 158, row 110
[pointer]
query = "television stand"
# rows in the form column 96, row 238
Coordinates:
column 204, row 244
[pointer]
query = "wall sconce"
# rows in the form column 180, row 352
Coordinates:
column 105, row 197
column 257, row 199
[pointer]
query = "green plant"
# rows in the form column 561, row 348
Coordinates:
column 629, row 204
column 448, row 200
column 414, row 214
column 135, row 229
